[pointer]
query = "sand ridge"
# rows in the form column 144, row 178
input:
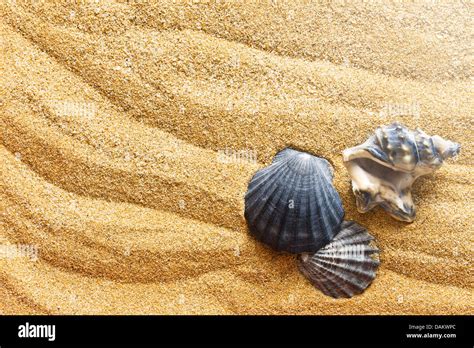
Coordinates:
column 128, row 198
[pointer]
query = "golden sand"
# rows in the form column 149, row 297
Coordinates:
column 114, row 116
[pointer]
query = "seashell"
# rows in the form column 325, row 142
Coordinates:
column 346, row 266
column 384, row 168
column 292, row 205
column 285, row 153
column 290, row 152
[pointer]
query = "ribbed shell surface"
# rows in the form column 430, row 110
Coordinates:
column 292, row 205
column 346, row 266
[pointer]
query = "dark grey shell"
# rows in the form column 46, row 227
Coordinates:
column 402, row 148
column 292, row 205
column 284, row 154
column 291, row 152
column 346, row 266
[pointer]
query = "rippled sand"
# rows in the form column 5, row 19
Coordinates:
column 114, row 116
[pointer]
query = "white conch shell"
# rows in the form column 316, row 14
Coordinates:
column 384, row 168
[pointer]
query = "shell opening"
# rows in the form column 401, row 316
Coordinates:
column 375, row 184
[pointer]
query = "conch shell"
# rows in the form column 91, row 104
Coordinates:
column 384, row 167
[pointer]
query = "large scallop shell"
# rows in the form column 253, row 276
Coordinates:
column 346, row 266
column 384, row 167
column 292, row 205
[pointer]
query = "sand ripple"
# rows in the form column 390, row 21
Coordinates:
column 114, row 117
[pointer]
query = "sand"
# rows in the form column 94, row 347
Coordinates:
column 114, row 116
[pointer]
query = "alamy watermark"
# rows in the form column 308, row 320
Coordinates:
column 72, row 108
column 229, row 155
column 14, row 251
column 28, row 330
column 355, row 252
column 400, row 109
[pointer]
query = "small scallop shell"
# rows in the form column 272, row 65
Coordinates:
column 292, row 205
column 346, row 266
